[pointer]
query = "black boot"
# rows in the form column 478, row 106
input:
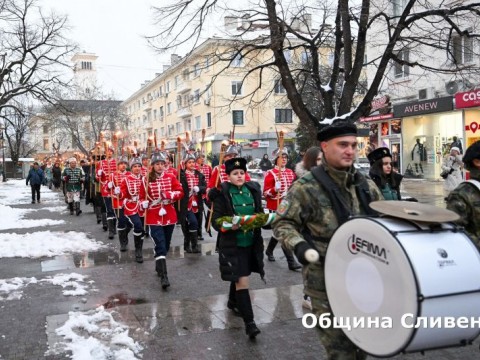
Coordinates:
column 123, row 238
column 186, row 243
column 292, row 263
column 104, row 221
column 138, row 240
column 70, row 207
column 77, row 208
column 271, row 246
column 245, row 306
column 232, row 301
column 161, row 268
column 111, row 228
column 194, row 242
column 98, row 214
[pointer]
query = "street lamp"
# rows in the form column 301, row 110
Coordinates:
column 4, row 177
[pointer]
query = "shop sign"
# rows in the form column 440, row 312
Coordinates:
column 375, row 118
column 423, row 107
column 259, row 144
column 472, row 127
column 467, row 99
column 381, row 104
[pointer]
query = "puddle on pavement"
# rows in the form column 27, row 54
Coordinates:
column 120, row 299
column 114, row 256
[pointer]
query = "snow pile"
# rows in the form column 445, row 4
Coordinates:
column 70, row 281
column 10, row 289
column 45, row 243
column 14, row 219
column 96, row 335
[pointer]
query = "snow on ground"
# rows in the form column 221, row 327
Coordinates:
column 96, row 335
column 73, row 285
column 15, row 192
column 46, row 243
column 13, row 218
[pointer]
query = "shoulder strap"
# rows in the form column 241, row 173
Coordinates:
column 475, row 183
column 364, row 196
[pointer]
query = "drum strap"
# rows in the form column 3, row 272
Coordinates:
column 474, row 183
column 337, row 199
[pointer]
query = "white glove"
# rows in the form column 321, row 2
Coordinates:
column 196, row 189
column 100, row 172
column 110, row 184
column 278, row 185
column 116, row 191
column 145, row 204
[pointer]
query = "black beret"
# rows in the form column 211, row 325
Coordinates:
column 473, row 152
column 337, row 129
column 378, row 154
column 235, row 163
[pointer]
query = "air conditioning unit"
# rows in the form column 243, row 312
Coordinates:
column 207, row 101
column 427, row 93
column 454, row 86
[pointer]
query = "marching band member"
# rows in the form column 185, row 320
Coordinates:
column 276, row 184
column 105, row 168
column 240, row 252
column 206, row 170
column 116, row 179
column 158, row 195
column 145, row 165
column 216, row 179
column 315, row 206
column 191, row 206
column 98, row 203
column 169, row 169
column 73, row 177
column 130, row 193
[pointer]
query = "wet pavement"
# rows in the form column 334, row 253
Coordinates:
column 190, row 320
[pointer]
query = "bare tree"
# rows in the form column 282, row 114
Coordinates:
column 329, row 89
column 33, row 52
column 81, row 117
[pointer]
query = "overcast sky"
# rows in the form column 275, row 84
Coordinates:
column 114, row 30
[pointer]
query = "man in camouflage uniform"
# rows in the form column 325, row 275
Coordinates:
column 306, row 221
column 465, row 198
column 73, row 177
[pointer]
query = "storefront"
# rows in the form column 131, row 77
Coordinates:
column 470, row 103
column 428, row 128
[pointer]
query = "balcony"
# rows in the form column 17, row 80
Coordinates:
column 184, row 86
column 147, row 105
column 184, row 112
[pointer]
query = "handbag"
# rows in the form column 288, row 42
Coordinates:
column 409, row 171
column 444, row 174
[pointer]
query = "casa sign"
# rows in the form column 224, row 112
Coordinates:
column 467, row 99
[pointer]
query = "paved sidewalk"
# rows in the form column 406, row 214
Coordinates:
column 189, row 321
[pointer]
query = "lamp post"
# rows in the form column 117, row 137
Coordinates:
column 4, row 177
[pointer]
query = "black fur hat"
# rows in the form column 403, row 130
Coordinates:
column 378, row 154
column 235, row 163
column 337, row 129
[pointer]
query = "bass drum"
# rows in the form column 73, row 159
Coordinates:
column 389, row 268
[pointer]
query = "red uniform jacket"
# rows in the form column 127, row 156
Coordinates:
column 144, row 171
column 130, row 193
column 162, row 195
column 223, row 177
column 273, row 197
column 206, row 170
column 172, row 170
column 117, row 179
column 108, row 167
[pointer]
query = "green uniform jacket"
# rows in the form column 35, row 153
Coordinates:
column 75, row 178
column 308, row 207
column 465, row 201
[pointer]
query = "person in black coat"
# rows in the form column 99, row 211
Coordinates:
column 240, row 253
column 57, row 175
column 387, row 180
column 265, row 164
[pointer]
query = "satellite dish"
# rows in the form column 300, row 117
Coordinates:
column 451, row 87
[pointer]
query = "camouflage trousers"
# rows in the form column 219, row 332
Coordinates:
column 336, row 343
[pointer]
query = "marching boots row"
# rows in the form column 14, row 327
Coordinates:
column 292, row 263
column 98, row 214
column 138, row 240
column 232, row 300
column 190, row 243
column 70, row 207
column 245, row 306
column 104, row 221
column 123, row 238
column 161, row 269
column 77, row 208
column 111, row 228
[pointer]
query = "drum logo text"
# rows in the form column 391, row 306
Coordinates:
column 357, row 245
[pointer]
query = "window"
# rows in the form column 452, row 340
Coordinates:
column 45, row 129
column 169, row 108
column 398, row 6
column 177, row 81
column 86, row 65
column 288, row 55
column 196, row 70
column 279, row 89
column 160, row 91
column 167, row 87
column 237, row 61
column 179, row 101
column 198, row 122
column 45, row 144
column 207, row 63
column 305, row 58
column 237, row 117
column 162, row 132
column 188, row 125
column 154, row 114
column 283, row 116
column 170, row 130
column 178, row 127
column 462, row 49
column 236, row 88
column 161, row 113
column 209, row 120
column 196, row 96
column 402, row 71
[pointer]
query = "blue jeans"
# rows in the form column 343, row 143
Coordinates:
column 161, row 235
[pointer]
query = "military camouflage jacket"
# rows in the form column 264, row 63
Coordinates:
column 465, row 201
column 307, row 206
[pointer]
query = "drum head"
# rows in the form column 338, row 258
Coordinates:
column 369, row 276
column 414, row 211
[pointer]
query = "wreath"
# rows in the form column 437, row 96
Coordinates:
column 246, row 222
